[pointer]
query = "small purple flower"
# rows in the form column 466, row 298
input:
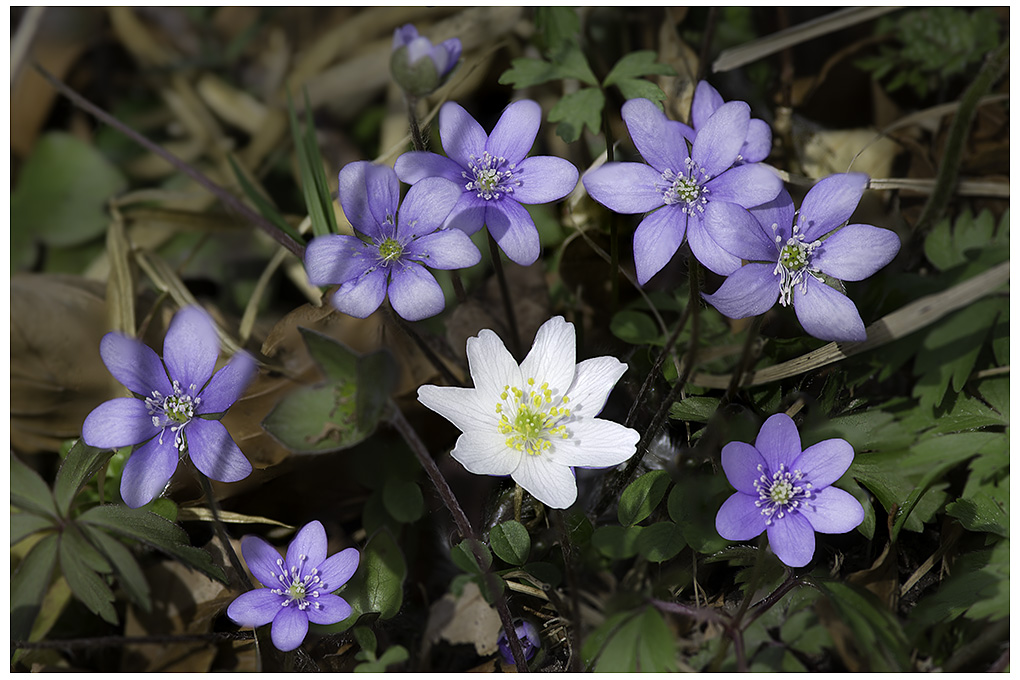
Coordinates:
column 495, row 175
column 789, row 253
column 758, row 142
column 173, row 411
column 786, row 491
column 690, row 192
column 527, row 633
column 298, row 589
column 417, row 65
column 399, row 249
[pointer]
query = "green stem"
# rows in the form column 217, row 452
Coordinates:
column 417, row 138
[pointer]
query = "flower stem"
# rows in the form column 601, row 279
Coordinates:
column 458, row 287
column 420, row 343
column 504, row 290
column 221, row 532
column 745, row 358
column 575, row 605
column 654, row 372
column 614, row 226
column 417, row 138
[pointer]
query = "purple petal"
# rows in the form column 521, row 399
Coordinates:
column 825, row 462
column 594, row 379
column 739, row 519
column 214, row 453
column 445, row 249
column 403, row 35
column 707, row 251
column 228, row 384
column 659, row 140
column 552, row 357
column 792, row 539
column 780, row 212
column 547, row 481
column 418, row 48
column 830, row 203
column 544, row 179
column 148, row 470
column 626, row 188
column 308, row 548
column 706, row 100
column 719, row 140
column 833, row 511
column 328, row 609
column 515, row 133
column 740, row 462
column 745, row 185
column 514, row 231
column 255, row 607
column 134, row 365
column 856, row 251
column 468, row 215
column 369, row 194
column 826, row 313
column 338, row 570
column 263, row 561
column 758, row 144
column 190, row 348
column 738, row 232
column 461, row 134
column 453, row 50
column 118, row 422
column 289, row 628
column 656, row 240
column 426, row 207
column 362, row 296
column 778, row 442
column 414, row 292
column 337, row 259
column 749, row 291
column 414, row 166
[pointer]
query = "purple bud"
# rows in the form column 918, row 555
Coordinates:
column 527, row 633
column 417, row 65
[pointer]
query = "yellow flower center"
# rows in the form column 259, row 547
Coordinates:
column 530, row 418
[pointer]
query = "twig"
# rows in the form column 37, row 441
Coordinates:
column 504, row 290
column 420, row 343
column 124, row 640
column 654, row 372
column 221, row 532
column 575, row 605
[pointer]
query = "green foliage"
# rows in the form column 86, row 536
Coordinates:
column 877, row 633
column 511, row 542
column 403, row 500
column 642, row 496
column 377, row 587
column 631, row 642
column 313, row 177
column 977, row 589
column 615, row 542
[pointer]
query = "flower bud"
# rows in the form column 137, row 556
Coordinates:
column 527, row 633
column 417, row 65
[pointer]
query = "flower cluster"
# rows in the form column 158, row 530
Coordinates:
column 417, row 65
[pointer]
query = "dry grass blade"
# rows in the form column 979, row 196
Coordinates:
column 120, row 287
column 198, row 514
column 991, row 189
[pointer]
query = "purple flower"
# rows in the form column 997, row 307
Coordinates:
column 757, row 143
column 495, row 175
column 172, row 412
column 788, row 255
column 297, row 590
column 417, row 65
column 691, row 192
column 527, row 633
column 399, row 249
column 787, row 492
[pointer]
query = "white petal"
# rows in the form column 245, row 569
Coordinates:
column 595, row 443
column 552, row 358
column 492, row 366
column 461, row 406
column 593, row 382
column 547, row 480
column 486, row 453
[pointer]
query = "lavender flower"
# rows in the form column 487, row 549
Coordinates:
column 758, row 142
column 399, row 249
column 788, row 255
column 417, row 65
column 495, row 175
column 172, row 411
column 297, row 590
column 691, row 192
column 786, row 491
column 527, row 633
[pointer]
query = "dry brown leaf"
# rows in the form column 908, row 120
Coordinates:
column 467, row 619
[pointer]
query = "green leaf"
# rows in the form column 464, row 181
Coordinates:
column 660, row 541
column 378, row 585
column 616, row 543
column 694, row 409
column 526, row 72
column 579, row 527
column 877, row 632
column 576, row 110
column 557, row 26
column 377, row 375
column 977, row 588
column 29, row 491
column 635, row 65
column 392, row 656
column 693, row 504
column 642, row 496
column 86, row 584
column 80, row 465
column 403, row 500
column 337, row 361
column 313, row 182
column 938, row 247
column 511, row 542
column 124, row 563
column 316, row 419
column 983, row 513
column 634, row 327
column 464, row 556
column 265, row 207
column 631, row 643
column 635, row 88
column 24, row 524
column 29, row 584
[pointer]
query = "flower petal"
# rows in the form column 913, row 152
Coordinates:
column 656, row 240
column 289, row 628
column 255, row 607
column 825, row 462
column 746, row 185
column 595, row 443
column 707, row 251
column 361, row 296
column 792, row 539
column 739, row 519
column 468, row 214
column 227, row 384
column 749, row 291
column 486, row 453
column 552, row 357
column 214, row 453
column 594, row 379
column 414, row 166
column 460, row 405
column 514, row 230
column 706, row 100
column 426, row 206
column 492, row 366
column 830, row 203
column 263, row 561
column 856, row 251
column 190, row 348
column 307, row 549
column 740, row 462
column 368, row 194
column 337, row 570
column 778, row 442
column 779, row 212
column 659, row 140
column 738, row 232
column 148, row 470
column 328, row 609
column 134, row 364
column 414, row 292
column 720, row 138
column 834, row 511
column 337, row 258
column 547, row 480
column 626, row 188
column 826, row 313
column 445, row 249
column 461, row 134
column 758, row 144
column 118, row 422
column 515, row 133
column 544, row 179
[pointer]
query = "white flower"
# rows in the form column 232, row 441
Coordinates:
column 535, row 421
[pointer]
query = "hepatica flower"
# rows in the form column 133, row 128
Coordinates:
column 417, row 65
column 535, row 421
column 398, row 248
column 790, row 253
column 172, row 414
column 786, row 492
column 686, row 193
column 758, row 142
column 297, row 590
column 494, row 174
column 528, row 635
